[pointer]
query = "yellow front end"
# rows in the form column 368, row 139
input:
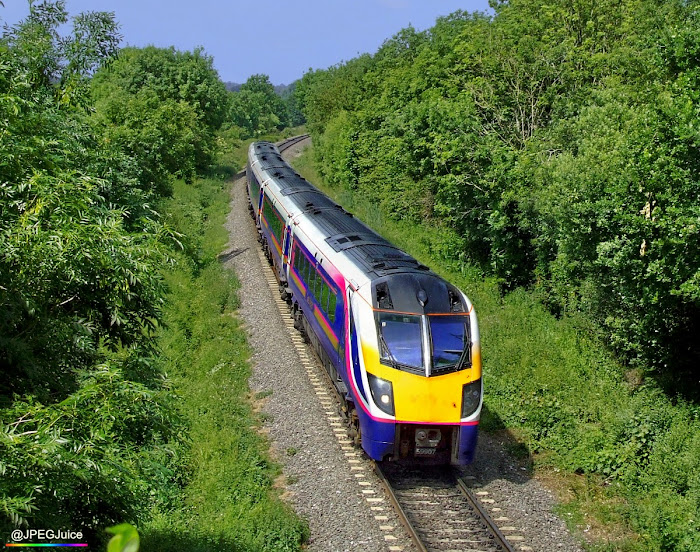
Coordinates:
column 417, row 398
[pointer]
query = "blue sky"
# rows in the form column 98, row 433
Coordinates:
column 279, row 38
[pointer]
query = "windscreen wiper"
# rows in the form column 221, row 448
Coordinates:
column 392, row 360
column 466, row 353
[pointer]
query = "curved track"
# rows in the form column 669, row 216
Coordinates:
column 289, row 142
column 437, row 508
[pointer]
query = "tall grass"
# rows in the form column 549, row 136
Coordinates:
column 624, row 456
column 227, row 500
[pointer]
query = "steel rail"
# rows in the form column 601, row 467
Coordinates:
column 399, row 510
column 496, row 539
column 493, row 528
column 289, row 142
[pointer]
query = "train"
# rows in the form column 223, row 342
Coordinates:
column 400, row 343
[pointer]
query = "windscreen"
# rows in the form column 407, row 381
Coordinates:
column 450, row 342
column 400, row 339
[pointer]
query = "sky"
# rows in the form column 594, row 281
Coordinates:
column 279, row 38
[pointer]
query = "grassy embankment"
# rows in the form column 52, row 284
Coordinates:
column 622, row 456
column 228, row 500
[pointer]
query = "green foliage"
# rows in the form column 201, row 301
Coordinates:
column 257, row 109
column 626, row 247
column 47, row 58
column 228, row 502
column 88, row 433
column 170, row 74
column 97, row 456
column 161, row 107
column 576, row 410
column 295, row 116
column 125, row 539
column 557, row 139
column 164, row 135
column 77, row 271
column 319, row 94
column 73, row 280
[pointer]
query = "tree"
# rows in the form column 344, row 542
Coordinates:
column 256, row 107
column 162, row 107
column 83, row 413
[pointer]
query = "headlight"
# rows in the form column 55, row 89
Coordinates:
column 382, row 393
column 471, row 397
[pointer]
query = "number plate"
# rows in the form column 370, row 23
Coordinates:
column 425, row 451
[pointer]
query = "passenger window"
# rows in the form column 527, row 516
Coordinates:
column 324, row 297
column 317, row 284
column 331, row 307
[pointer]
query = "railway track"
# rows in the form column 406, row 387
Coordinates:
column 436, row 506
column 289, row 142
column 439, row 510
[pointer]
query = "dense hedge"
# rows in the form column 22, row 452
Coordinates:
column 89, row 434
column 558, row 141
column 87, row 428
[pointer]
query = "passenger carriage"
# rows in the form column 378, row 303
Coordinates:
column 400, row 343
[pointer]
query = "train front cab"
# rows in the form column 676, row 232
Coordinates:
column 417, row 378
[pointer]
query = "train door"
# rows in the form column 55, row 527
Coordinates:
column 286, row 250
column 340, row 316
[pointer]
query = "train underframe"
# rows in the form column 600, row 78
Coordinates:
column 422, row 443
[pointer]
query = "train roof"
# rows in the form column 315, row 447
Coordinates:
column 310, row 200
column 373, row 254
column 268, row 155
column 370, row 252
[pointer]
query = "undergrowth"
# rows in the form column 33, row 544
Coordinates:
column 227, row 501
column 626, row 454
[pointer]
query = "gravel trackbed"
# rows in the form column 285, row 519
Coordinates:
column 327, row 481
